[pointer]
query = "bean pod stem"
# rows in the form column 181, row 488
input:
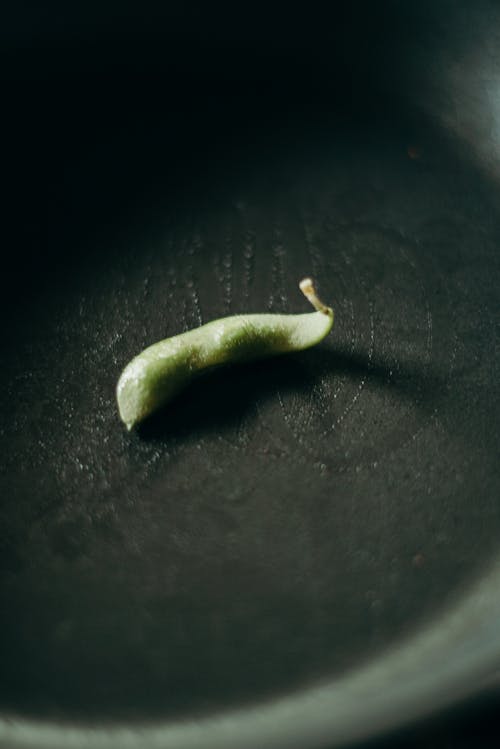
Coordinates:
column 162, row 370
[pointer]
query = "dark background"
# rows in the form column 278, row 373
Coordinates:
column 112, row 112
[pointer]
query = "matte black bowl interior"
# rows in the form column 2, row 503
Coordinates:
column 302, row 551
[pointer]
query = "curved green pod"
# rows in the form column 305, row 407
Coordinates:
column 159, row 372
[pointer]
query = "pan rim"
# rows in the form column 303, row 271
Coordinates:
column 455, row 656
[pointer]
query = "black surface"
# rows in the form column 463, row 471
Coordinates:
column 465, row 726
column 282, row 522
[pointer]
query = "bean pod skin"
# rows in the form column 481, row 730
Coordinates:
column 162, row 370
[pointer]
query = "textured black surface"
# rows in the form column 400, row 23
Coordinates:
column 280, row 522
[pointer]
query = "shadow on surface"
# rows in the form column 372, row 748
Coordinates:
column 222, row 399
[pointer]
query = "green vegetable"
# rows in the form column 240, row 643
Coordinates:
column 157, row 374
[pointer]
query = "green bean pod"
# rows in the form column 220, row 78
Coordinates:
column 162, row 370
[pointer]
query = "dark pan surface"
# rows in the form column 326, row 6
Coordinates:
column 283, row 523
